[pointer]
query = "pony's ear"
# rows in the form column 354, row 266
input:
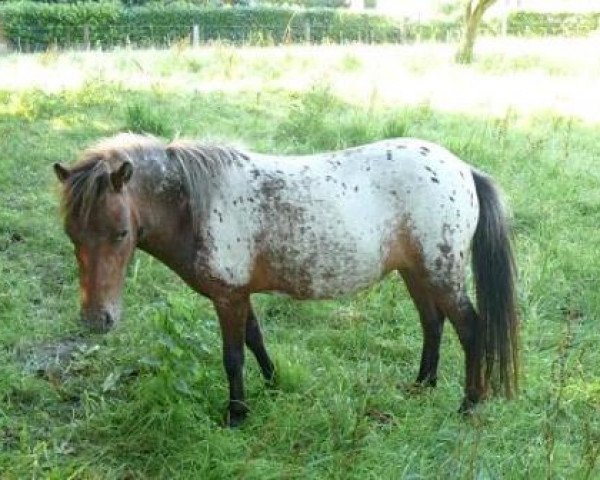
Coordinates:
column 61, row 172
column 121, row 176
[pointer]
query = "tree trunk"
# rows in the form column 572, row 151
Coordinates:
column 472, row 20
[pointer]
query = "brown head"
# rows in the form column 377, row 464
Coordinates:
column 101, row 222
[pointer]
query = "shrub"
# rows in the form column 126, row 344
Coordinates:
column 38, row 25
column 543, row 24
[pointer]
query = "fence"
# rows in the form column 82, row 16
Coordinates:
column 310, row 30
column 84, row 37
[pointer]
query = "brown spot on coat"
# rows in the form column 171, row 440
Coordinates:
column 271, row 186
column 403, row 251
column 444, row 248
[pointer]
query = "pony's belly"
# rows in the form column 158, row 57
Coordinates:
column 329, row 292
column 333, row 276
column 329, row 288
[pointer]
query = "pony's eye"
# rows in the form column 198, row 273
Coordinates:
column 121, row 234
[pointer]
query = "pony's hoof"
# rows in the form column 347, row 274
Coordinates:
column 467, row 407
column 271, row 381
column 235, row 420
column 236, row 414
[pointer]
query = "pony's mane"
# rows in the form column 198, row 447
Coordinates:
column 200, row 165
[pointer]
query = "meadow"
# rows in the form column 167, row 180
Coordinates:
column 147, row 399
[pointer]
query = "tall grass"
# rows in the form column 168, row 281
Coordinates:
column 143, row 117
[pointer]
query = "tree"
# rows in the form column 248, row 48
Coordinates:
column 472, row 20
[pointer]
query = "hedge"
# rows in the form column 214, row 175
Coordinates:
column 39, row 25
column 35, row 26
column 548, row 24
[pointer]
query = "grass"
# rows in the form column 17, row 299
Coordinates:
column 144, row 118
column 146, row 400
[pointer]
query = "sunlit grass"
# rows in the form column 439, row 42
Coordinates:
column 527, row 75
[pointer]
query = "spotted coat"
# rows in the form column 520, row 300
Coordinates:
column 324, row 225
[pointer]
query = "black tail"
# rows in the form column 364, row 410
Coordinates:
column 494, row 272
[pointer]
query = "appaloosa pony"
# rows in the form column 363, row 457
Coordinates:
column 232, row 223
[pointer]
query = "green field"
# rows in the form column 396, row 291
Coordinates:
column 147, row 400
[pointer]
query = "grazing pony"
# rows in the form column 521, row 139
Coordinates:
column 231, row 223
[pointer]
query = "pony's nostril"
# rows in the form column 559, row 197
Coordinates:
column 107, row 320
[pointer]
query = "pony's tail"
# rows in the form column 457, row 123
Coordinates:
column 494, row 273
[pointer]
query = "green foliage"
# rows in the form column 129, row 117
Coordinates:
column 311, row 3
column 182, row 341
column 38, row 25
column 144, row 118
column 319, row 120
column 543, row 24
column 351, row 63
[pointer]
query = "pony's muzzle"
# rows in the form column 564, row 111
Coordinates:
column 99, row 322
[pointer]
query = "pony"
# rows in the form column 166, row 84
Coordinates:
column 232, row 223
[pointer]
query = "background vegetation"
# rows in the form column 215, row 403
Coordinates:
column 146, row 401
column 37, row 26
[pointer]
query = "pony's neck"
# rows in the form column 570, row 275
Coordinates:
column 163, row 216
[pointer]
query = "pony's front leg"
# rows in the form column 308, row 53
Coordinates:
column 233, row 312
column 254, row 341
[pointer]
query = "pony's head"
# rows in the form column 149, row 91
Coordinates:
column 101, row 222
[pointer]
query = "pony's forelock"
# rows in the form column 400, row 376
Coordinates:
column 89, row 177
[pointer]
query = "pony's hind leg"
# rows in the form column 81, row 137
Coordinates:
column 470, row 331
column 254, row 341
column 432, row 323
